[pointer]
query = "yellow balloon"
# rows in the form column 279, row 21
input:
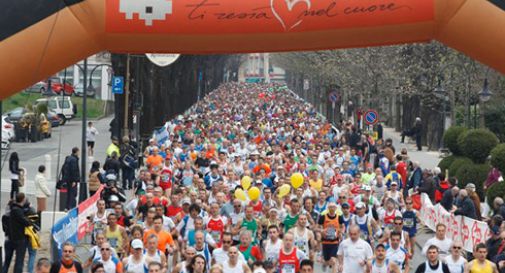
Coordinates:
column 254, row 193
column 246, row 182
column 240, row 195
column 284, row 190
column 296, row 180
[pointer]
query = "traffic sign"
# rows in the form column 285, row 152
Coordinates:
column 117, row 85
column 371, row 117
column 333, row 96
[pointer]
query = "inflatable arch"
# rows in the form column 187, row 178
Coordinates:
column 39, row 38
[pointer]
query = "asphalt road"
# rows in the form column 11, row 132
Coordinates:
column 50, row 153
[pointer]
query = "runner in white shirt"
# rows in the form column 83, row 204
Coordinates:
column 304, row 237
column 136, row 262
column 455, row 261
column 443, row 243
column 353, row 252
column 220, row 255
column 396, row 253
column 234, row 264
column 380, row 264
column 272, row 246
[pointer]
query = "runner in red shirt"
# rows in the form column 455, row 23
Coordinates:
column 289, row 256
column 216, row 224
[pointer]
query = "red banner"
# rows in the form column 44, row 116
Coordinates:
column 259, row 16
column 464, row 229
column 85, row 209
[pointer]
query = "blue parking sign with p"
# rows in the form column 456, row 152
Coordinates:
column 117, row 85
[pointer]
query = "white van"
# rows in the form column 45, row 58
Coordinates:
column 62, row 106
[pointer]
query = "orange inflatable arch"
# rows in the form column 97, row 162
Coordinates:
column 42, row 37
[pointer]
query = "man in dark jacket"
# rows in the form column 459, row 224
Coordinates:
column 428, row 185
column 465, row 205
column 448, row 198
column 416, row 177
column 71, row 176
column 16, row 240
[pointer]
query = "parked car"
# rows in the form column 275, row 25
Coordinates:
column 5, row 143
column 62, row 106
column 57, row 86
column 7, row 129
column 36, row 88
column 54, row 118
column 13, row 116
column 78, row 91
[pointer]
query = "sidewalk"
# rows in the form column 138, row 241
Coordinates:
column 427, row 159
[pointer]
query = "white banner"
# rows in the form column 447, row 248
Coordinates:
column 464, row 229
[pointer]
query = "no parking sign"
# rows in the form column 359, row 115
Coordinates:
column 371, row 117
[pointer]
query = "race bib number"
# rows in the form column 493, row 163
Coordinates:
column 331, row 233
column 408, row 222
column 288, row 268
column 216, row 235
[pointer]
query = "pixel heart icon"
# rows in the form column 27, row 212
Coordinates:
column 289, row 12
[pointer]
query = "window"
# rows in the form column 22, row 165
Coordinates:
column 51, row 104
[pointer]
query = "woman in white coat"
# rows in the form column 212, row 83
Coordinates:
column 41, row 190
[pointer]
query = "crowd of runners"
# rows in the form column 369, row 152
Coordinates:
column 253, row 179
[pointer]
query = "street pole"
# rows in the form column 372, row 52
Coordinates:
column 126, row 95
column 467, row 118
column 83, row 191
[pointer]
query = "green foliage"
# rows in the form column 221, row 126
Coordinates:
column 498, row 157
column 473, row 173
column 457, row 163
column 476, row 144
column 42, row 108
column 451, row 139
column 446, row 162
column 494, row 118
column 496, row 190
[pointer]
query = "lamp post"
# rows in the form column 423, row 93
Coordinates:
column 484, row 96
column 83, row 192
column 441, row 93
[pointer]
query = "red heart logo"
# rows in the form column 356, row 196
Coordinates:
column 289, row 12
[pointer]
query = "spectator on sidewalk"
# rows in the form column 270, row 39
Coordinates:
column 448, row 197
column 42, row 192
column 470, row 188
column 499, row 207
column 16, row 240
column 465, row 205
column 71, row 177
column 428, row 185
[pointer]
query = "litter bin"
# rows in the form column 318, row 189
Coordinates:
column 63, row 199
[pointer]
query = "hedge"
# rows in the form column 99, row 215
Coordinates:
column 457, row 163
column 450, row 139
column 496, row 190
column 498, row 157
column 476, row 144
column 446, row 162
column 473, row 173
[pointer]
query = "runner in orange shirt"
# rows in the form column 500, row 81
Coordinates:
column 165, row 240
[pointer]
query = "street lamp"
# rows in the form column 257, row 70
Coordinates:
column 441, row 93
column 485, row 94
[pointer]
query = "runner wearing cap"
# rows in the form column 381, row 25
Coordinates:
column 136, row 262
column 395, row 194
column 380, row 264
column 345, row 219
column 367, row 225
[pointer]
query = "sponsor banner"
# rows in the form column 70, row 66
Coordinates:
column 87, row 208
column 65, row 230
column 464, row 229
column 274, row 16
